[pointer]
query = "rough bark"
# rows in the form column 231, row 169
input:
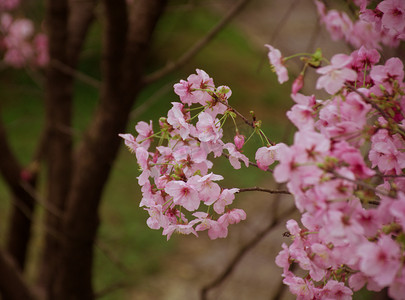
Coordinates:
column 122, row 66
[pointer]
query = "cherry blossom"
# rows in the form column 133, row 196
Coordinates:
column 335, row 75
column 277, row 61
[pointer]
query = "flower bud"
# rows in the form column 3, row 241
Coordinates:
column 239, row 140
column 298, row 84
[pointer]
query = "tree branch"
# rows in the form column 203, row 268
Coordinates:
column 197, row 46
column 12, row 284
column 259, row 189
column 243, row 251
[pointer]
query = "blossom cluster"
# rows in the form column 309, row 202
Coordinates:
column 345, row 171
column 344, row 168
column 384, row 24
column 179, row 192
column 19, row 45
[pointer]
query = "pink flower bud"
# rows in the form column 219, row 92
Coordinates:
column 298, row 84
column 25, row 175
column 239, row 140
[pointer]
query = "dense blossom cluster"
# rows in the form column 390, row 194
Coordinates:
column 175, row 177
column 384, row 24
column 344, row 167
column 19, row 45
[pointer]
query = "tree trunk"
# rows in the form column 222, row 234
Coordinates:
column 12, row 285
column 126, row 46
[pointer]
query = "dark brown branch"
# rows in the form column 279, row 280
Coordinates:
column 19, row 230
column 81, row 15
column 12, row 284
column 197, row 46
column 259, row 189
column 242, row 252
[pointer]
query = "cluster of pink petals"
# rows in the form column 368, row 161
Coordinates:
column 21, row 47
column 382, row 25
column 345, row 170
column 179, row 191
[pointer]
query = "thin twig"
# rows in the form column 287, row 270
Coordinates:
column 197, row 46
column 111, row 257
column 34, row 195
column 112, row 288
column 259, row 189
column 251, row 124
column 360, row 183
column 76, row 74
column 242, row 252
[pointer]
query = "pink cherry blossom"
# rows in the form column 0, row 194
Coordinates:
column 235, row 156
column 335, row 290
column 380, row 260
column 178, row 120
column 183, row 194
column 393, row 14
column 208, row 128
column 215, row 229
column 180, row 228
column 233, row 216
column 265, row 156
column 191, row 91
column 226, row 198
column 386, row 74
column 277, row 61
column 334, row 76
column 208, row 190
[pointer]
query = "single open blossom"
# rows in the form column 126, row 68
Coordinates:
column 277, row 61
column 380, row 260
column 225, row 199
column 193, row 90
column 393, row 14
column 208, row 128
column 393, row 70
column 180, row 228
column 235, row 156
column 265, row 156
column 334, row 76
column 215, row 228
column 184, row 194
